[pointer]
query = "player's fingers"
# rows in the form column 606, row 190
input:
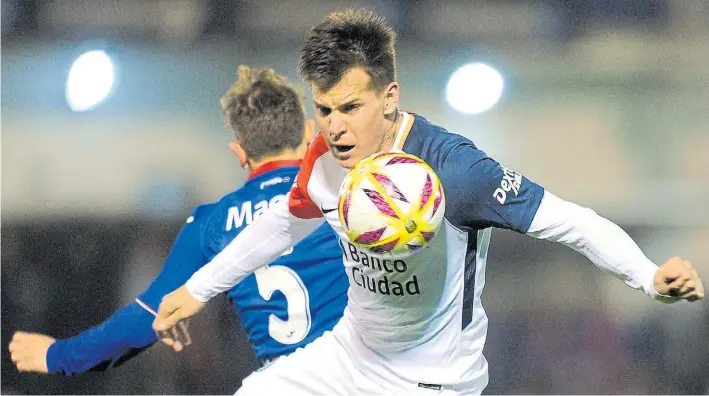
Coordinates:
column 178, row 335
column 175, row 333
column 21, row 360
column 687, row 288
column 19, row 355
column 27, row 366
column 692, row 296
column 700, row 283
column 169, row 321
column 14, row 346
column 680, row 281
column 22, row 353
column 167, row 341
column 183, row 332
column 167, row 316
column 166, row 337
column 699, row 290
column 666, row 275
column 177, row 346
column 21, row 341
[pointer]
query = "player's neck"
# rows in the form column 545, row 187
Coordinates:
column 288, row 155
column 390, row 136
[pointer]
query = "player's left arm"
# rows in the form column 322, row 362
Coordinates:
column 612, row 250
column 503, row 198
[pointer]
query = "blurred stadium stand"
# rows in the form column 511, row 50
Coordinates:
column 606, row 103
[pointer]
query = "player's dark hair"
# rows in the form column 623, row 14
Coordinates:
column 264, row 111
column 345, row 40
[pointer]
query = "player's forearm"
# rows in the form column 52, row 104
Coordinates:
column 119, row 338
column 604, row 243
column 257, row 245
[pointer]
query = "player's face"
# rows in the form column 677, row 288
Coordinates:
column 356, row 119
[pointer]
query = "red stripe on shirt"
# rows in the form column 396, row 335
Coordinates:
column 299, row 203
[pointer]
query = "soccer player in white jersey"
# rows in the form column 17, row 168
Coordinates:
column 428, row 338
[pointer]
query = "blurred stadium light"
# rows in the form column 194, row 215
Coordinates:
column 90, row 80
column 474, row 88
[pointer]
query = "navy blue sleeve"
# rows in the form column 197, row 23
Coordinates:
column 129, row 331
column 481, row 193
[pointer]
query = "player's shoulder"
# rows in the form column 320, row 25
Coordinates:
column 316, row 149
column 436, row 145
column 206, row 212
column 317, row 169
column 237, row 198
column 201, row 213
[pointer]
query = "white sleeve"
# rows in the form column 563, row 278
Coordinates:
column 604, row 243
column 258, row 244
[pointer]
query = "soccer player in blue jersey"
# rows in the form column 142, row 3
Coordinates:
column 283, row 306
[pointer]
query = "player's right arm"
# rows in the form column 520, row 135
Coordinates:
column 128, row 331
column 281, row 226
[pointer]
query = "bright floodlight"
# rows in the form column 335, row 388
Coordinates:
column 90, row 80
column 474, row 88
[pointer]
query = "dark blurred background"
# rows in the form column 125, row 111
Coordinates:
column 604, row 102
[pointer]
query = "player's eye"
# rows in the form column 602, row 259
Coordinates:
column 324, row 111
column 350, row 107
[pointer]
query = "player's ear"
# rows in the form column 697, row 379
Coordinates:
column 240, row 153
column 308, row 131
column 391, row 98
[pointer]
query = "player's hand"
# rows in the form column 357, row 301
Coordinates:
column 177, row 337
column 677, row 278
column 29, row 351
column 174, row 308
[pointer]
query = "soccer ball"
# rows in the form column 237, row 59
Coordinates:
column 391, row 204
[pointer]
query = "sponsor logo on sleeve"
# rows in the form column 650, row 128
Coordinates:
column 511, row 182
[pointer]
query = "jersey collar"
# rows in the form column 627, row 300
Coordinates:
column 406, row 124
column 269, row 166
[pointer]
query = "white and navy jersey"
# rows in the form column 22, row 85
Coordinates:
column 423, row 313
column 284, row 305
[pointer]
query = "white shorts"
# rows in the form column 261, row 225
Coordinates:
column 327, row 366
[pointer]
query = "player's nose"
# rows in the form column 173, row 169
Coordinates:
column 336, row 127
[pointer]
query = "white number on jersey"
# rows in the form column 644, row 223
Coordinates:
column 278, row 277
